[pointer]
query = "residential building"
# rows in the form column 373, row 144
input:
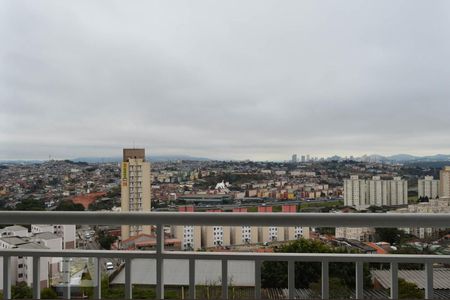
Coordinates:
column 215, row 236
column 433, row 206
column 190, row 236
column 66, row 232
column 269, row 234
column 362, row 234
column 398, row 191
column 355, row 192
column 294, row 232
column 148, row 242
column 135, row 189
column 361, row 194
column 377, row 191
column 444, row 183
column 15, row 230
column 428, row 187
column 241, row 235
column 22, row 267
column 294, row 158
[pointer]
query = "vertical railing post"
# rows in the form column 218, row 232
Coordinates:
column 159, row 261
column 429, row 280
column 258, row 264
column 224, row 279
column 394, row 280
column 98, row 278
column 66, row 274
column 359, row 280
column 36, row 277
column 291, row 279
column 192, row 278
column 325, row 280
column 128, row 280
column 6, row 277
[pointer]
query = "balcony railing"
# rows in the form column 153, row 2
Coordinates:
column 160, row 219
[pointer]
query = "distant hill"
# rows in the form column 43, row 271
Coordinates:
column 410, row 158
column 154, row 158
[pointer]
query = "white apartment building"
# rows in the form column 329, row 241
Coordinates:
column 362, row 234
column 135, row 189
column 361, row 194
column 66, row 232
column 15, row 230
column 22, row 267
column 440, row 205
column 399, row 191
column 355, row 192
column 428, row 187
column 378, row 191
column 444, row 183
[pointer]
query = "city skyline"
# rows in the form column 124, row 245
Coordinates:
column 254, row 80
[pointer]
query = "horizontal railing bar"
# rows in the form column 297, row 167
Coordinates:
column 393, row 220
column 251, row 256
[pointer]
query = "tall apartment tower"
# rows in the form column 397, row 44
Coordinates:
column 377, row 191
column 428, row 187
column 294, row 158
column 444, row 184
column 355, row 192
column 399, row 191
column 135, row 187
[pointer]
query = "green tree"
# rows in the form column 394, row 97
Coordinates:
column 106, row 240
column 409, row 290
column 67, row 205
column 30, row 203
column 21, row 291
column 274, row 274
column 113, row 192
column 48, row 293
column 390, row 235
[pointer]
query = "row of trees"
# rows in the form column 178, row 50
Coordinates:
column 23, row 291
column 308, row 275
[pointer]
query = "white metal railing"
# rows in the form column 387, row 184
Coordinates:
column 225, row 219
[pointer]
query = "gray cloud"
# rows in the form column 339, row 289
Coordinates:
column 233, row 79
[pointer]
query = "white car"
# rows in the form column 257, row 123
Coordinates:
column 109, row 266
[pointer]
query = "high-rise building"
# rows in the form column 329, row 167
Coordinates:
column 364, row 193
column 294, row 158
column 303, row 158
column 355, row 191
column 399, row 191
column 377, row 191
column 428, row 187
column 444, row 184
column 307, row 157
column 135, row 187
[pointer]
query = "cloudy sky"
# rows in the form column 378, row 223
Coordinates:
column 224, row 79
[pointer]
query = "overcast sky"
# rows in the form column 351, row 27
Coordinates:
column 224, row 79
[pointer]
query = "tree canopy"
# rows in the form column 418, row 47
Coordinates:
column 275, row 275
column 67, row 205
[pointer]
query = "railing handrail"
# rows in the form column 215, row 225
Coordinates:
column 392, row 220
column 250, row 256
